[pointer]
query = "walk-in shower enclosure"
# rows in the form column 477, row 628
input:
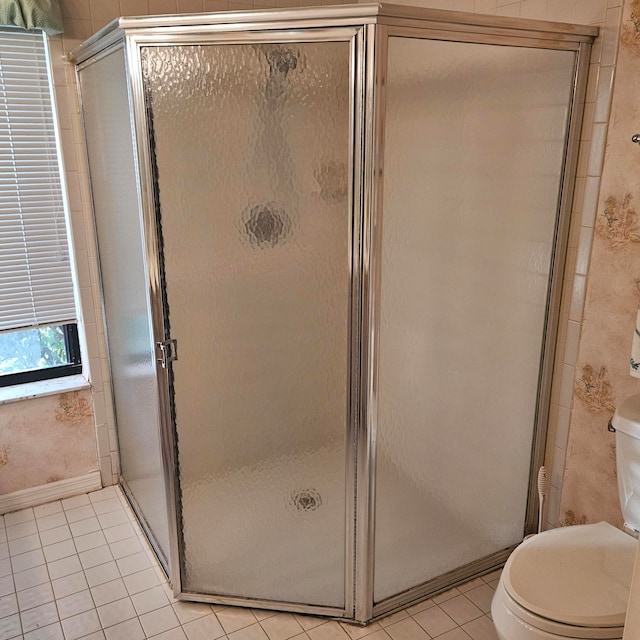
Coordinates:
column 331, row 244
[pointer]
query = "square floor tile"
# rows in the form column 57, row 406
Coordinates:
column 89, row 541
column 70, row 584
column 81, row 513
column 23, row 529
column 82, row 527
column 127, row 547
column 407, row 629
column 481, row 596
column 140, row 581
column 74, row 604
column 234, row 618
column 435, row 621
column 7, row 585
column 10, row 627
column 328, row 631
column 160, row 620
column 50, row 632
column 186, row 611
column 27, row 560
column 152, row 599
column 133, row 563
column 130, row 629
column 22, row 545
column 460, row 609
column 28, row 578
column 113, row 518
column 44, row 510
column 309, row 622
column 81, row 625
column 75, row 502
column 103, row 494
column 64, row 567
column 52, row 521
column 116, row 612
column 57, row 534
column 119, row 532
column 59, row 550
column 41, row 616
column 252, row 632
column 107, row 506
column 204, row 628
column 8, row 605
column 481, row 629
column 94, row 557
column 356, row 632
column 102, row 573
column 281, row 626
column 393, row 618
column 17, row 517
column 109, row 592
column 35, row 596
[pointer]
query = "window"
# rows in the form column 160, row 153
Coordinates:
column 38, row 323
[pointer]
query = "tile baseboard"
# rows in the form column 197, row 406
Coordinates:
column 50, row 492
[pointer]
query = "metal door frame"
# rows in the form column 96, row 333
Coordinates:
column 366, row 608
column 368, row 27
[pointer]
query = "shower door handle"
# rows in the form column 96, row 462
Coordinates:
column 168, row 352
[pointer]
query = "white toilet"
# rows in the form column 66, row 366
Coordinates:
column 573, row 582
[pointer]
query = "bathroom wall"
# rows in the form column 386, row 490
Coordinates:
column 613, row 295
column 84, row 17
column 51, row 441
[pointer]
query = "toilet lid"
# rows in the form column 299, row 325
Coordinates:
column 575, row 575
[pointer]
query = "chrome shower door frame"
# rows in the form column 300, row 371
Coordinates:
column 313, row 31
column 367, row 27
column 513, row 33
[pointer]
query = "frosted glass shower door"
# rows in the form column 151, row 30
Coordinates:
column 125, row 288
column 251, row 145
column 474, row 144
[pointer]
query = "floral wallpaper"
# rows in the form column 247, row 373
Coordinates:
column 590, row 492
column 54, row 440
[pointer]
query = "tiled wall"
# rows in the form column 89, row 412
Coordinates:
column 83, row 17
column 602, row 377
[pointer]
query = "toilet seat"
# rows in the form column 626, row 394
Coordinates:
column 517, row 622
column 573, row 576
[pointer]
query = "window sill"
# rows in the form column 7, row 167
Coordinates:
column 42, row 388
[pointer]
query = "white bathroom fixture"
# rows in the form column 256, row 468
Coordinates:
column 574, row 582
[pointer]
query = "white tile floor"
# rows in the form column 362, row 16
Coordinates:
column 80, row 568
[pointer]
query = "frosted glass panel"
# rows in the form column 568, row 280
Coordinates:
column 252, row 152
column 124, row 281
column 474, row 147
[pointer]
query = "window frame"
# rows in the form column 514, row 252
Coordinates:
column 72, row 368
column 68, row 323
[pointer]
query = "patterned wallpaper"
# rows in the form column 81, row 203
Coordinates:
column 31, row 455
column 612, row 298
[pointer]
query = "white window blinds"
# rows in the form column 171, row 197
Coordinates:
column 36, row 287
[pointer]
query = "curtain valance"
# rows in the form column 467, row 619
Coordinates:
column 32, row 14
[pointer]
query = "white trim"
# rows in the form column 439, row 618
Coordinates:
column 50, row 492
column 40, row 388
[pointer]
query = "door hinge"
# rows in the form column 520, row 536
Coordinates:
column 168, row 352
